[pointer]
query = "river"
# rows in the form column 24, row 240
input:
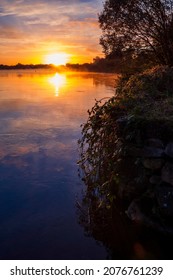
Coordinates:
column 41, row 113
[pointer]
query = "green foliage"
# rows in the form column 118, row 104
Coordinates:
column 144, row 94
column 139, row 98
column 100, row 148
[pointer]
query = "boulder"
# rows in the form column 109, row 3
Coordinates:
column 167, row 173
column 155, row 142
column 155, row 180
column 152, row 163
column 164, row 195
column 169, row 150
column 152, row 152
column 137, row 214
column 130, row 190
column 134, row 212
column 133, row 151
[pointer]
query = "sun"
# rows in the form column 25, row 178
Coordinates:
column 57, row 59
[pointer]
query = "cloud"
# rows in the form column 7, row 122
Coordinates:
column 50, row 25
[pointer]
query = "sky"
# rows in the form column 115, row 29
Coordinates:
column 30, row 30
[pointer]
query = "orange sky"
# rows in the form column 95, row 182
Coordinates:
column 32, row 29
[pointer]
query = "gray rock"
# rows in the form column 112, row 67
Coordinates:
column 134, row 212
column 130, row 190
column 167, row 173
column 155, row 180
column 137, row 215
column 133, row 151
column 164, row 195
column 152, row 163
column 154, row 142
column 152, row 152
column 169, row 150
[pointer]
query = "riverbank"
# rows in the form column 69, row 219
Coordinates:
column 126, row 149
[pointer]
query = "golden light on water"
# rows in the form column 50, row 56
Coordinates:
column 57, row 81
column 57, row 59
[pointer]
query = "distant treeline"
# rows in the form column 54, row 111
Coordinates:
column 116, row 63
column 25, row 66
column 98, row 65
column 112, row 64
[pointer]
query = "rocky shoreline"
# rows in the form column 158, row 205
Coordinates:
column 146, row 175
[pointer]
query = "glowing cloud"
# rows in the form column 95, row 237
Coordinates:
column 32, row 29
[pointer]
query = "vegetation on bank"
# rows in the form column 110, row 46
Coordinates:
column 148, row 94
column 126, row 148
column 141, row 100
column 138, row 35
column 145, row 96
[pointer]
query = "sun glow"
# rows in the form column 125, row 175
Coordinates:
column 57, row 59
column 57, row 81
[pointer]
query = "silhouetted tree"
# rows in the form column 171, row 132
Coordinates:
column 135, row 26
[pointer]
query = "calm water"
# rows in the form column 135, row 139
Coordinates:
column 40, row 115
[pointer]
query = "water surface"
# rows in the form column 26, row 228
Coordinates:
column 40, row 115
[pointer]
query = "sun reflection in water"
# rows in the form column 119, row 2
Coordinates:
column 57, row 81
